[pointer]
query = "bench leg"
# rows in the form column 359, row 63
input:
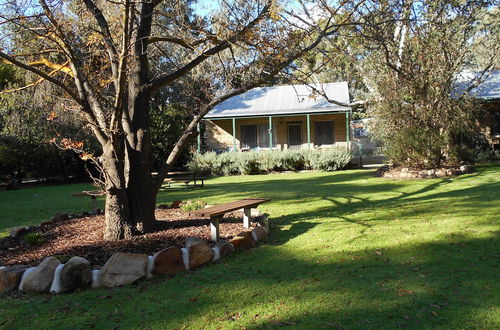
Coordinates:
column 214, row 229
column 246, row 217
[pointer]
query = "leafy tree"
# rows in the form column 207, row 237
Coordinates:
column 110, row 59
column 404, row 59
column 416, row 110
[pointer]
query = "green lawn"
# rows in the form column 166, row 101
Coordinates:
column 348, row 251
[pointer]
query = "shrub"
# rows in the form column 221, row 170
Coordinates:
column 34, row 239
column 486, row 155
column 230, row 163
column 329, row 160
column 190, row 206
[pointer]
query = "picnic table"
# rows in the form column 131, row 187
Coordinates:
column 182, row 177
column 215, row 213
column 93, row 196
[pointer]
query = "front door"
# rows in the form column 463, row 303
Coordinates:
column 294, row 135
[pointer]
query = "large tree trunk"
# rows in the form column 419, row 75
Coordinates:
column 131, row 196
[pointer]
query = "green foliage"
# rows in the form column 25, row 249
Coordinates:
column 34, row 239
column 229, row 163
column 167, row 125
column 192, row 206
column 486, row 155
column 330, row 160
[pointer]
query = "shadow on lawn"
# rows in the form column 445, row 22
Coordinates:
column 343, row 191
column 440, row 284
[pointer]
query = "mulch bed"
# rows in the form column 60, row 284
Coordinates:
column 84, row 237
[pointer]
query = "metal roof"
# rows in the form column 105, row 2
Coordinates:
column 489, row 89
column 282, row 100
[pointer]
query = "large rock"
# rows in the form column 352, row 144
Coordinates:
column 264, row 222
column 441, row 173
column 75, row 274
column 199, row 253
column 169, row 261
column 190, row 241
column 243, row 240
column 259, row 233
column 466, row 168
column 122, row 269
column 40, row 279
column 225, row 248
column 10, row 277
column 18, row 231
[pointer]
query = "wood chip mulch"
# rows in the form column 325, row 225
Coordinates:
column 84, row 237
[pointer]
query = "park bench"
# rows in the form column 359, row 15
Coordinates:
column 93, row 196
column 215, row 213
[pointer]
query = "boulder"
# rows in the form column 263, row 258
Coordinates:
column 225, row 248
column 169, row 261
column 10, row 277
column 199, row 253
column 243, row 239
column 264, row 222
column 122, row 269
column 75, row 274
column 259, row 233
column 40, row 279
column 60, row 217
column 441, row 173
column 18, row 231
column 190, row 241
column 465, row 168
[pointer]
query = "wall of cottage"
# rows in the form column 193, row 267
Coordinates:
column 219, row 132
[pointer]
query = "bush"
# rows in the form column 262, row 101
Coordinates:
column 329, row 160
column 190, row 206
column 486, row 155
column 34, row 239
column 229, row 163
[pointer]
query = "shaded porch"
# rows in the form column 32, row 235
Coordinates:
column 275, row 132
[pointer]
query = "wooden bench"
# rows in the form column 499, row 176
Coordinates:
column 92, row 194
column 215, row 213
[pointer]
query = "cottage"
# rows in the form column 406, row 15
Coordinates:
column 488, row 92
column 279, row 118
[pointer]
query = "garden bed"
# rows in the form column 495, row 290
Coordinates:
column 83, row 237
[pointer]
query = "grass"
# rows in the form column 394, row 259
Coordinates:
column 348, row 251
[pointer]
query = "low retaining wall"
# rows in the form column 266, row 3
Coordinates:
column 406, row 173
column 124, row 268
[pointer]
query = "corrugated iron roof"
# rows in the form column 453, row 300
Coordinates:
column 283, row 100
column 489, row 89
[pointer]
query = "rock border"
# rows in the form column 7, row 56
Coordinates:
column 405, row 173
column 125, row 268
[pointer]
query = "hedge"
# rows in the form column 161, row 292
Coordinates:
column 235, row 163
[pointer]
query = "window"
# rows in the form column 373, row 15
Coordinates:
column 248, row 136
column 264, row 135
column 359, row 132
column 323, row 133
column 256, row 135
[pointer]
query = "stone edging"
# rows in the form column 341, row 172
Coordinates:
column 124, row 268
column 406, row 173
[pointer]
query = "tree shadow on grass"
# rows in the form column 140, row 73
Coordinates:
column 449, row 283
